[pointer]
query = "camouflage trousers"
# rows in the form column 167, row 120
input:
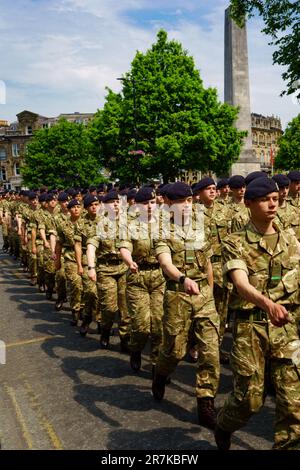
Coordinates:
column 145, row 293
column 40, row 263
column 112, row 299
column 256, row 347
column 74, row 286
column 90, row 298
column 49, row 269
column 180, row 312
column 14, row 243
column 32, row 260
column 61, row 281
column 221, row 296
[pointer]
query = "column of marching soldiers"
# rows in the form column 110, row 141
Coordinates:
column 173, row 290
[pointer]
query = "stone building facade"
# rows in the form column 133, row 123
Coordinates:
column 266, row 131
column 15, row 136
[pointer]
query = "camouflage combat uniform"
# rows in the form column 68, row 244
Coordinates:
column 182, row 310
column 257, row 343
column 111, row 279
column 145, row 290
column 86, row 228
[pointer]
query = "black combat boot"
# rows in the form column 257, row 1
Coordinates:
column 104, row 339
column 59, row 304
column 222, row 438
column 49, row 293
column 206, row 412
column 124, row 344
column 74, row 320
column 135, row 360
column 84, row 327
column 158, row 386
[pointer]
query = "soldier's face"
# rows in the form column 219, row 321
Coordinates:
column 75, row 211
column 295, row 187
column 148, row 207
column 224, row 191
column 112, row 207
column 238, row 192
column 264, row 209
column 93, row 208
column 207, row 195
column 283, row 193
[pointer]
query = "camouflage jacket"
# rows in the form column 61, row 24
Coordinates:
column 273, row 273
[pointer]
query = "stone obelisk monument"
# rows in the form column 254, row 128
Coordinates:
column 237, row 90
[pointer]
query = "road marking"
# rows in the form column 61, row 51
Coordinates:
column 45, row 424
column 19, row 415
column 30, row 341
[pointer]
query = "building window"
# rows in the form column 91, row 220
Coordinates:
column 2, row 153
column 2, row 174
column 46, row 125
column 16, row 150
column 17, row 169
column 29, row 130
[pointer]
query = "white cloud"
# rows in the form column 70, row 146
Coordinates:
column 60, row 55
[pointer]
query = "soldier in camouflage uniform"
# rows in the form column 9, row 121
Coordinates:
column 31, row 235
column 47, row 229
column 65, row 244
column 145, row 281
column 86, row 228
column 262, row 262
column 216, row 225
column 104, row 259
column 60, row 278
column 238, row 213
column 188, row 300
column 288, row 216
column 294, row 189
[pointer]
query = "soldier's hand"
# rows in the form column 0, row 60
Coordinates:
column 80, row 271
column 133, row 267
column 92, row 275
column 33, row 250
column 46, row 245
column 190, row 286
column 278, row 314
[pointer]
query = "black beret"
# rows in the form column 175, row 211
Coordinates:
column 71, row 192
column 100, row 188
column 50, row 197
column 110, row 196
column 43, row 197
column 89, row 199
column 123, row 192
column 294, row 175
column 63, row 197
column 92, row 188
column 207, row 181
column 31, row 195
column 131, row 193
column 73, row 203
column 178, row 190
column 222, row 183
column 236, row 182
column 281, row 180
column 260, row 187
column 146, row 193
column 255, row 174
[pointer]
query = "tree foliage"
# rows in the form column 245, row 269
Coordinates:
column 61, row 156
column 288, row 157
column 164, row 120
column 282, row 23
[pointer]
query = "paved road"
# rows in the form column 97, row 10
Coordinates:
column 60, row 391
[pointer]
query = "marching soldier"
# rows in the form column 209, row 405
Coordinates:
column 188, row 300
column 262, row 262
column 145, row 281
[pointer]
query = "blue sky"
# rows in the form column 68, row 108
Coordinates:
column 57, row 56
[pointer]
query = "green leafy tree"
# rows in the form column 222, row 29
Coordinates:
column 164, row 120
column 288, row 157
column 61, row 156
column 282, row 23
